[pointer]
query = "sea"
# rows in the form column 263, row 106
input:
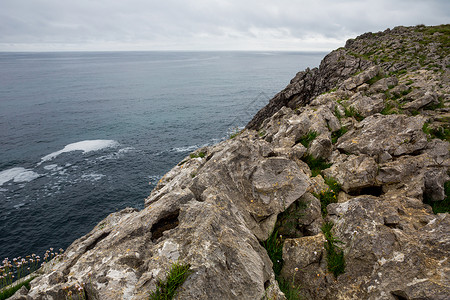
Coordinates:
column 85, row 134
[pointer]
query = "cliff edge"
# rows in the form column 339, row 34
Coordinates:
column 327, row 194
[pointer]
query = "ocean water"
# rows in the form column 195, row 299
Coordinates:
column 86, row 134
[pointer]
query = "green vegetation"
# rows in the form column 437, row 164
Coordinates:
column 443, row 36
column 440, row 206
column 335, row 255
column 351, row 112
column 262, row 133
column 329, row 195
column 20, row 267
column 374, row 79
column 436, row 106
column 337, row 134
column 316, row 164
column 199, row 154
column 274, row 248
column 439, row 132
column 389, row 109
column 235, row 132
column 289, row 289
column 8, row 292
column 166, row 290
column 307, row 139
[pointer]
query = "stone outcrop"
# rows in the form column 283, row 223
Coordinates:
column 371, row 121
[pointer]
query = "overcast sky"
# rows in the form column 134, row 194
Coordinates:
column 49, row 25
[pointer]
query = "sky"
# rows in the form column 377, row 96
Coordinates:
column 269, row 25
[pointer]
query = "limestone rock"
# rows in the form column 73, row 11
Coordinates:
column 304, row 265
column 355, row 173
column 210, row 221
column 355, row 81
column 394, row 134
column 387, row 252
column 425, row 99
column 365, row 105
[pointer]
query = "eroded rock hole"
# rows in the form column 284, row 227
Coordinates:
column 166, row 223
column 370, row 190
column 399, row 295
column 266, row 284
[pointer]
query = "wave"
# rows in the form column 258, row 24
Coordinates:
column 195, row 147
column 117, row 154
column 18, row 174
column 85, row 146
column 185, row 149
column 92, row 176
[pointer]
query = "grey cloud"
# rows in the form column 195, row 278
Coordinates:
column 187, row 24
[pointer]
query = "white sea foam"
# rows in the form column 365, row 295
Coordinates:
column 92, row 176
column 85, row 146
column 185, row 149
column 195, row 147
column 116, row 155
column 17, row 174
column 51, row 167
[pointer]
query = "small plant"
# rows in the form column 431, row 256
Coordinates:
column 351, row 112
column 440, row 206
column 166, row 290
column 316, row 164
column 329, row 195
column 75, row 292
column 307, row 139
column 389, row 109
column 235, row 132
column 262, row 133
column 290, row 290
column 8, row 292
column 374, row 79
column 337, row 134
column 436, row 106
column 274, row 248
column 438, row 132
column 199, row 154
column 335, row 255
column 19, row 267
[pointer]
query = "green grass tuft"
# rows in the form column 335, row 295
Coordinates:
column 8, row 292
column 335, row 255
column 337, row 134
column 329, row 195
column 166, row 290
column 199, row 154
column 307, row 139
column 374, row 79
column 235, row 132
column 291, row 291
column 274, row 248
column 351, row 112
column 438, row 132
column 316, row 164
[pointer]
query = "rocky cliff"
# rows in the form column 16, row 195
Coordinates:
column 328, row 194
